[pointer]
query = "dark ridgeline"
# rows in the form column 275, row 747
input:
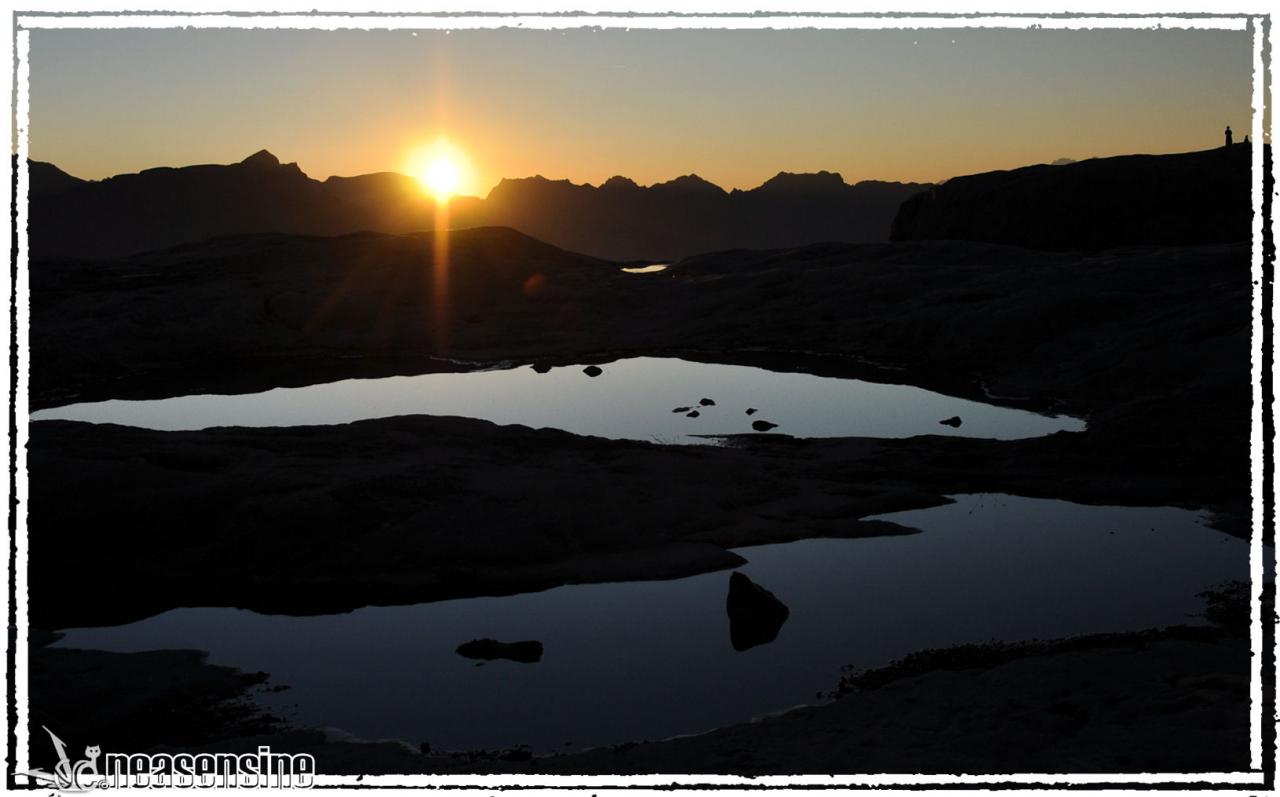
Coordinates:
column 1171, row 200
column 618, row 220
column 47, row 179
column 163, row 207
column 623, row 221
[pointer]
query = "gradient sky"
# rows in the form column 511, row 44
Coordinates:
column 735, row 107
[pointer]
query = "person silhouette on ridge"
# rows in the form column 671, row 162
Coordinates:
column 1228, row 135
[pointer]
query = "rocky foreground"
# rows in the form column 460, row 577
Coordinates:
column 1150, row 344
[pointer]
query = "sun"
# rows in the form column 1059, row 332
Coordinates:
column 441, row 177
column 440, row 168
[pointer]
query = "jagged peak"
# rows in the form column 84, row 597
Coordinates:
column 804, row 180
column 618, row 181
column 536, row 179
column 690, row 182
column 261, row 159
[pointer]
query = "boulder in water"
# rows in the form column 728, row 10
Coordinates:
column 752, row 410
column 763, row 426
column 593, row 370
column 693, row 414
column 954, row 422
column 681, row 409
column 706, row 402
column 526, row 652
column 755, row 614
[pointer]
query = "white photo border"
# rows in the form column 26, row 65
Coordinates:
column 827, row 15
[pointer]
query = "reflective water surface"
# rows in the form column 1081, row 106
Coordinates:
column 649, row 660
column 653, row 269
column 630, row 399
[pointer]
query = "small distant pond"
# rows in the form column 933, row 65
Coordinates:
column 630, row 399
column 653, row 269
column 649, row 660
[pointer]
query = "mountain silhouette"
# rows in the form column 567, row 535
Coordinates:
column 162, row 207
column 47, row 179
column 621, row 220
column 1177, row 200
column 618, row 220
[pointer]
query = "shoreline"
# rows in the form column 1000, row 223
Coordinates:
column 1143, row 691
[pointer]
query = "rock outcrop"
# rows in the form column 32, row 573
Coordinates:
column 1177, row 200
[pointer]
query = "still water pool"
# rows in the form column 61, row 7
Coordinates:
column 649, row 660
column 630, row 399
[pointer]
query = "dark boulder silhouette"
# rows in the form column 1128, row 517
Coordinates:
column 763, row 426
column 593, row 370
column 1178, row 200
column 526, row 652
column 755, row 614
column 619, row 220
column 954, row 422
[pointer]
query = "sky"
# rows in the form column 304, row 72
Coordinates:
column 732, row 106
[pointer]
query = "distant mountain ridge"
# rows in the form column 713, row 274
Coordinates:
column 162, row 207
column 617, row 220
column 1174, row 200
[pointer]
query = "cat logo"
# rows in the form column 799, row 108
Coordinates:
column 74, row 778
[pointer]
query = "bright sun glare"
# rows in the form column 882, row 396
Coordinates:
column 440, row 168
column 441, row 177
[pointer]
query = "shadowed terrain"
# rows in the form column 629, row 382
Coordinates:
column 1192, row 198
column 1149, row 344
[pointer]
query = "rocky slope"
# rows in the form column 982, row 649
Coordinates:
column 1175, row 200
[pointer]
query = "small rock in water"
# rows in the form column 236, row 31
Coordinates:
column 693, row 414
column 706, row 402
column 681, row 409
column 755, row 614
column 752, row 410
column 540, row 368
column 527, row 652
column 763, row 426
column 593, row 370
column 954, row 422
